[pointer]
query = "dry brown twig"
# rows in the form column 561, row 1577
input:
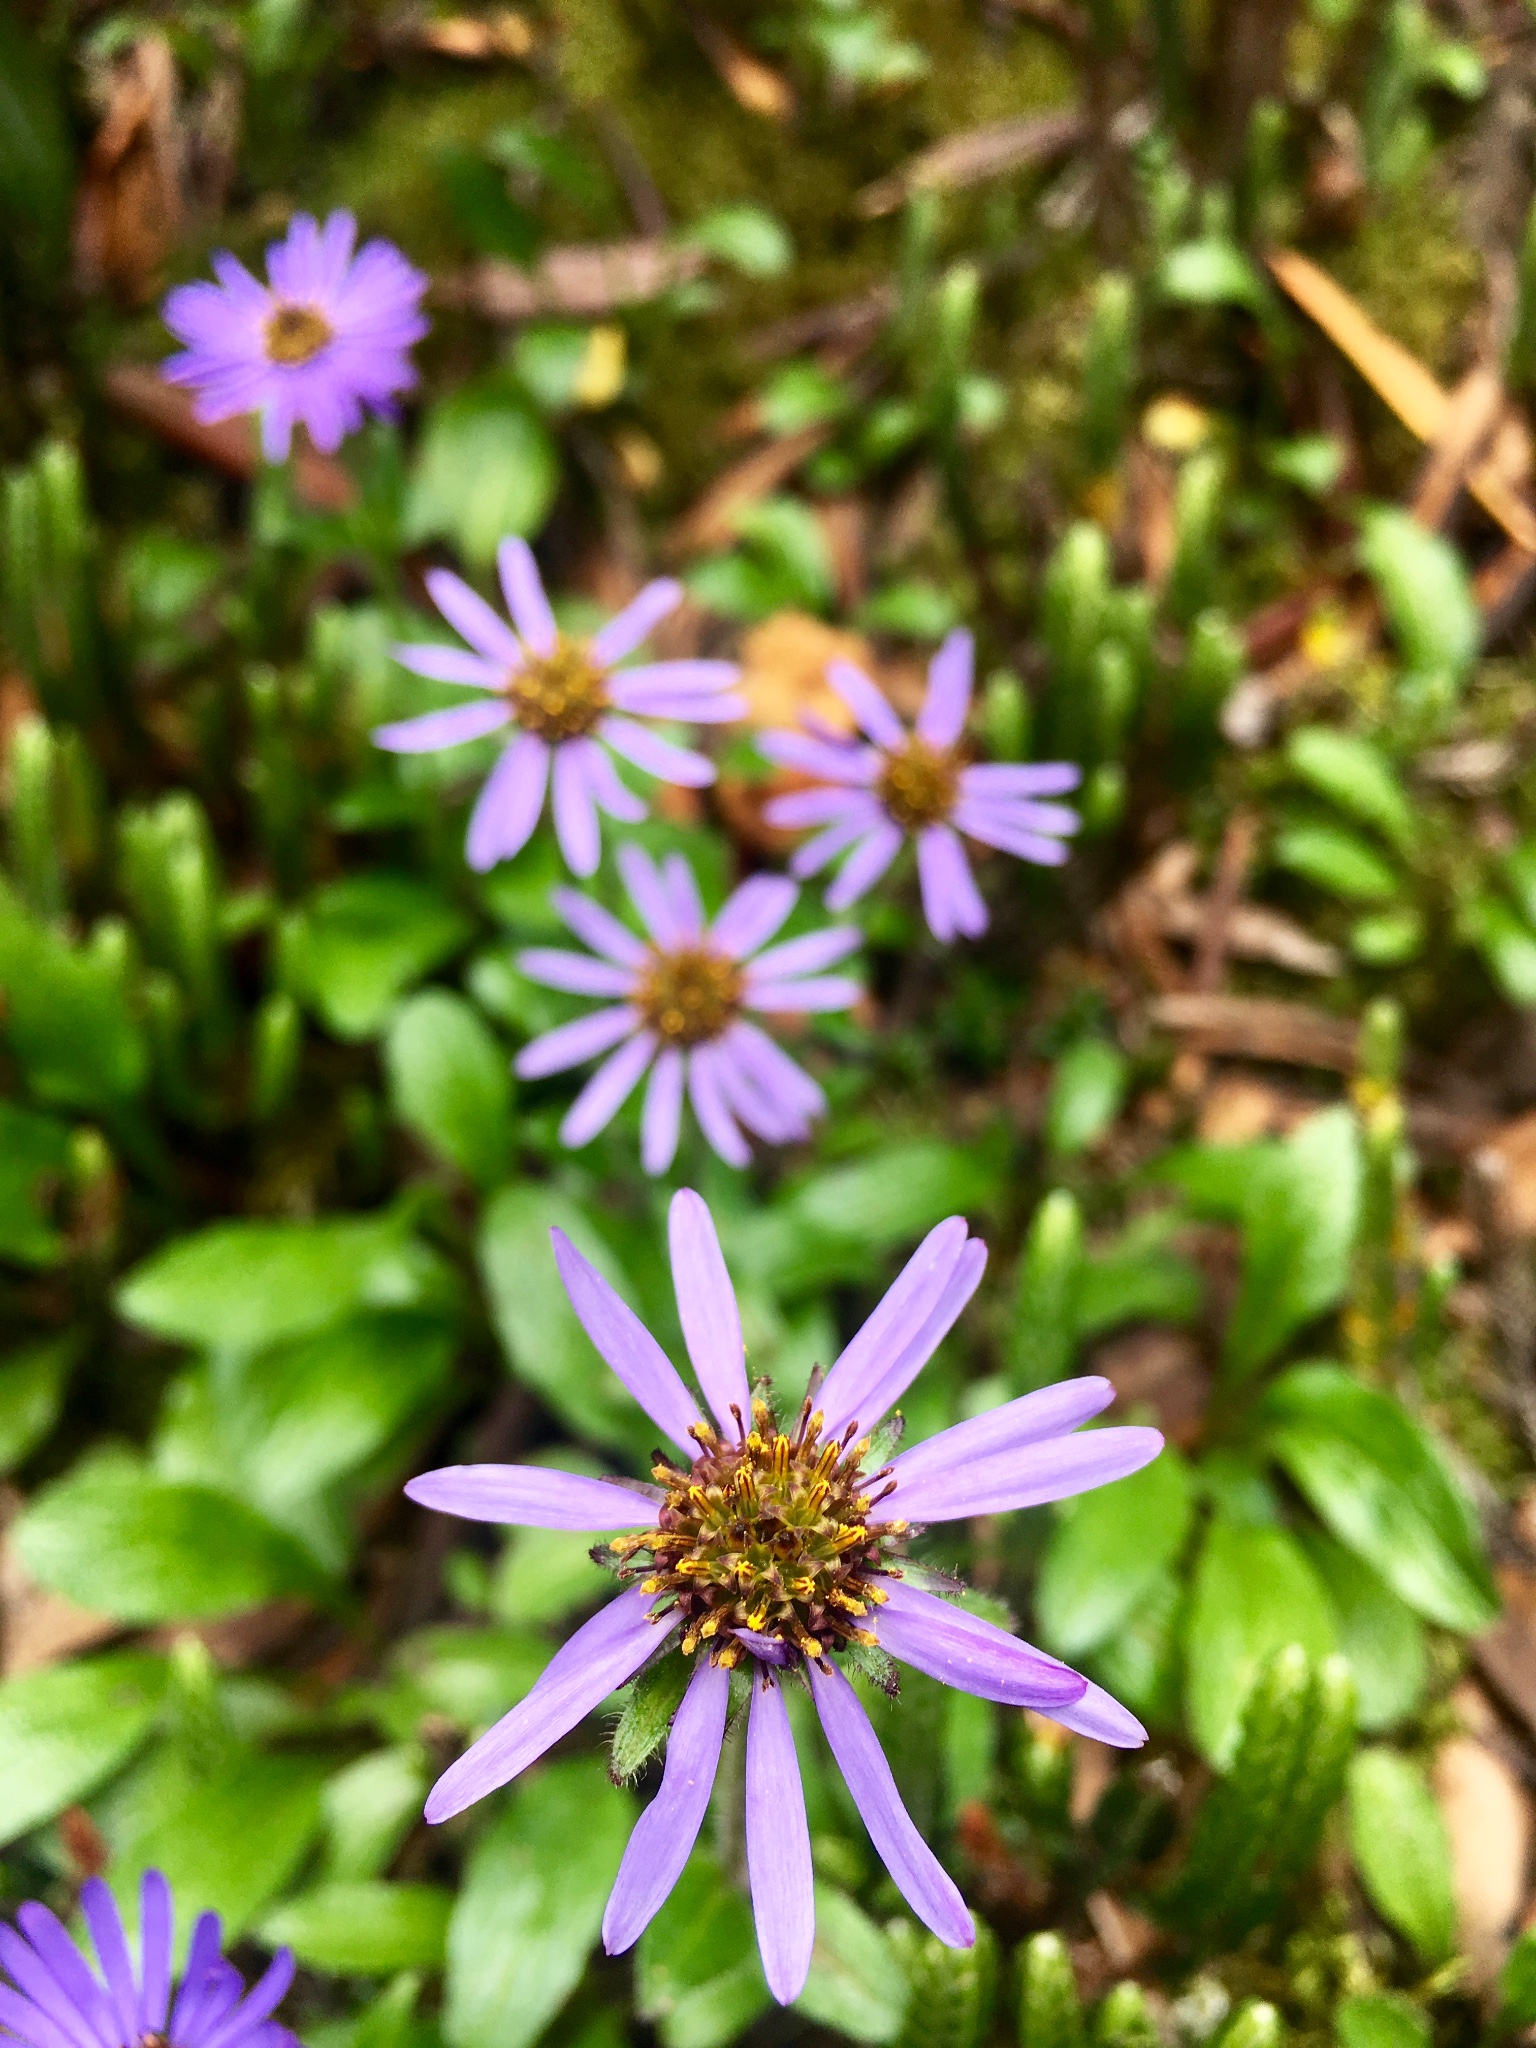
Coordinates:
column 975, row 155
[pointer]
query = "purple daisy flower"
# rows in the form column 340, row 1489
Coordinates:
column 60, row 2002
column 917, row 785
column 681, row 994
column 772, row 1547
column 563, row 697
column 325, row 337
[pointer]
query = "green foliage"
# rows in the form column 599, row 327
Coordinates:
column 66, row 1728
column 951, row 1991
column 1050, row 2013
column 1400, row 1850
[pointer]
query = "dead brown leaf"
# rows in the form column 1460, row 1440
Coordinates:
column 476, row 39
column 1507, row 1163
column 710, row 522
column 975, row 155
column 130, row 205
column 750, row 82
column 1161, row 1370
column 583, row 279
column 784, row 671
column 38, row 1628
column 1488, row 1823
column 1126, row 1936
column 1258, row 1028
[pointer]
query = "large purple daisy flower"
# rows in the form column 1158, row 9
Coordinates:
column 324, row 338
column 772, row 1548
column 60, row 2002
column 562, row 697
column 681, row 994
column 917, row 785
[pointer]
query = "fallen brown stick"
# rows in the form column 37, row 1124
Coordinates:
column 1258, row 1028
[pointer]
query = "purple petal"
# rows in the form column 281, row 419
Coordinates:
column 904, row 1307
column 1020, row 778
column 814, row 855
column 266, row 1994
column 935, row 1327
column 847, row 763
column 766, row 1649
column 683, row 894
column 951, row 901
column 106, row 1924
column 865, row 865
column 199, row 1985
column 800, row 998
column 607, row 1091
column 32, row 2026
column 1100, row 1716
column 778, row 1845
column 706, row 1307
column 807, row 955
column 752, row 913
column 682, row 678
column 54, row 2009
column 657, row 756
column 436, row 729
column 602, row 1654
column 665, row 1833
column 577, row 973
column 661, row 1119
column 948, row 702
column 600, row 928
column 648, row 893
column 1016, row 813
column 631, row 627
column 523, row 589
column 440, row 664
column 821, row 806
column 868, row 704
column 1023, row 1478
column 626, row 1345
column 1051, row 1411
column 921, row 1879
column 656, row 700
column 1009, row 838
column 609, row 793
column 763, row 1112
column 775, row 1073
column 576, row 825
column 707, row 1094
column 473, row 620
column 57, row 1977
column 569, row 1044
column 974, row 1656
column 155, row 1930
column 527, row 1497
column 508, row 807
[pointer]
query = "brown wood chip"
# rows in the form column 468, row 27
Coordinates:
column 975, row 155
column 584, row 279
column 1256, row 1027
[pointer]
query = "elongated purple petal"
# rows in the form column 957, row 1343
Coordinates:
column 473, row 620
column 848, row 763
column 752, row 914
column 814, row 855
column 55, row 1975
column 865, row 865
column 609, row 793
column 1017, row 813
column 600, row 928
column 607, row 1091
column 947, row 704
column 1020, row 778
column 508, row 808
column 903, row 1308
column 266, row 1994
column 690, row 678
column 156, row 1925
column 634, row 625
column 441, row 664
column 528, row 1497
column 707, row 1094
column 626, row 1345
column 662, row 1118
column 974, row 1656
column 648, row 893
column 435, row 729
column 800, row 998
column 602, row 1654
column 1010, row 838
column 935, row 1327
column 99, row 1909
column 578, row 973
column 1023, row 1478
column 665, row 1833
column 823, row 806
column 775, row 1072
column 576, row 825
column 695, row 707
column 523, row 588
column 868, row 703
column 778, row 1845
column 570, row 1044
column 806, row 955
column 761, row 1110
column 706, row 1307
column 1049, row 1412
column 199, row 1993
column 921, row 1879
column 683, row 894
column 951, row 901
column 657, row 756
column 30, row 2024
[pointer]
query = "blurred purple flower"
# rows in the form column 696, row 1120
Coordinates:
column 771, row 1543
column 563, row 697
column 325, row 338
column 678, row 1010
column 60, row 2002
column 916, row 785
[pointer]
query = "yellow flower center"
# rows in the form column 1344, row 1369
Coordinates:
column 772, row 1534
column 690, row 995
column 295, row 333
column 559, row 696
column 918, row 785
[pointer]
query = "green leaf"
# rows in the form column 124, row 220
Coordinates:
column 749, row 238
column 1302, row 1213
column 34, row 1153
column 1380, row 1634
column 649, row 1706
column 245, row 1286
column 546, row 1574
column 364, row 1929
column 66, row 1015
column 1254, row 1594
column 1377, row 1481
column 1356, row 775
column 1507, row 944
column 1051, row 1275
column 469, row 1676
column 545, row 1345
column 121, row 1541
column 67, row 1728
column 1106, row 1551
column 31, row 1394
column 1050, row 2013
column 856, row 1983
column 896, row 1194
column 1401, row 1851
column 698, row 1979
column 1138, row 1279
column 1212, row 272
column 370, row 1806
column 1087, row 1090
column 532, row 1905
column 485, row 468
column 1427, row 598
column 1381, row 2022
column 450, row 1082
column 1336, row 860
column 361, row 942
column 1517, row 1984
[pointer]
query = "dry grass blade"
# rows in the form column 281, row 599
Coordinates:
column 711, row 521
column 131, row 204
column 974, row 155
column 584, row 279
column 1255, row 1027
